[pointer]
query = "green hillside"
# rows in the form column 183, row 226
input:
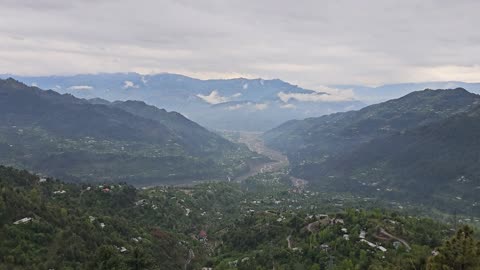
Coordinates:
column 78, row 140
column 420, row 147
column 260, row 224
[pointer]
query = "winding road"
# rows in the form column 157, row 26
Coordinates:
column 382, row 231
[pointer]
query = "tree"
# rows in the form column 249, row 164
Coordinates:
column 107, row 259
column 139, row 259
column 461, row 252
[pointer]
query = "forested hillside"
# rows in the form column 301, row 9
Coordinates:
column 420, row 147
column 79, row 140
column 263, row 223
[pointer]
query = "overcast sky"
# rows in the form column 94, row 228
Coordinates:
column 310, row 43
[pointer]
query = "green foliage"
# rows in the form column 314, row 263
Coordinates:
column 259, row 224
column 66, row 232
column 461, row 252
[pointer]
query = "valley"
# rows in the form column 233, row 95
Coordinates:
column 239, row 135
column 275, row 161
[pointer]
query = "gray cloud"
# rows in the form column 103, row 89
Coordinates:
column 310, row 43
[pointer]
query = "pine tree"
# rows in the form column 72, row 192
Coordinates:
column 461, row 252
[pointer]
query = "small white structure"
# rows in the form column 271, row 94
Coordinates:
column 42, row 180
column 59, row 192
column 338, row 221
column 368, row 243
column 374, row 245
column 362, row 234
column 140, row 202
column 92, row 218
column 346, row 237
column 382, row 248
column 137, row 239
column 344, row 230
column 123, row 250
column 23, row 220
column 102, row 225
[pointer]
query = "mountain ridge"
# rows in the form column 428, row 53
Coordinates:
column 61, row 135
column 416, row 144
column 271, row 101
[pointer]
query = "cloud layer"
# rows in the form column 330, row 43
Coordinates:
column 323, row 94
column 215, row 98
column 309, row 43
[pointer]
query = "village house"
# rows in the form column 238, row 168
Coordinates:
column 202, row 236
column 23, row 220
column 337, row 221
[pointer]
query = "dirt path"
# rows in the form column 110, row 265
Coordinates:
column 289, row 242
column 191, row 256
column 382, row 231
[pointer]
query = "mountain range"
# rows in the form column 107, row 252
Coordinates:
column 94, row 140
column 230, row 104
column 421, row 146
column 233, row 104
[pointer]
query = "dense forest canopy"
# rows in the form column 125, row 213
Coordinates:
column 260, row 224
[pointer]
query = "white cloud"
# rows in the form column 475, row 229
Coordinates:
column 80, row 87
column 288, row 106
column 215, row 98
column 251, row 106
column 261, row 106
column 236, row 107
column 324, row 94
column 129, row 84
